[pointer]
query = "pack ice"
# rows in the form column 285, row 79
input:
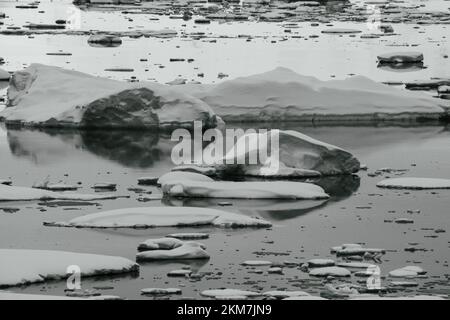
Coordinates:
column 20, row 267
column 283, row 95
column 414, row 183
column 47, row 96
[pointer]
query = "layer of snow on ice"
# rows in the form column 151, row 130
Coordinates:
column 415, row 183
column 282, row 94
column 188, row 250
column 245, row 190
column 12, row 193
column 20, row 267
column 163, row 217
column 44, row 95
column 219, row 293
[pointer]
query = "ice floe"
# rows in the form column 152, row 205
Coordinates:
column 188, row 250
column 12, row 193
column 407, row 272
column 220, row 293
column 20, row 267
column 316, row 263
column 415, row 183
column 151, row 217
column 278, row 294
column 330, row 271
column 49, row 96
column 160, row 291
column 401, row 57
column 160, row 244
column 244, row 190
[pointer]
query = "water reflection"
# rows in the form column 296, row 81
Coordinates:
column 132, row 149
column 401, row 67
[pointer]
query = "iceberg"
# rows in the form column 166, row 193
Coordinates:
column 280, row 154
column 47, row 96
column 283, row 95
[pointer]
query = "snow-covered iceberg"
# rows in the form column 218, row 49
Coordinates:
column 152, row 217
column 20, row 267
column 280, row 154
column 12, row 193
column 283, row 95
column 47, row 96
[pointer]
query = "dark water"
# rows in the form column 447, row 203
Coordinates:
column 302, row 229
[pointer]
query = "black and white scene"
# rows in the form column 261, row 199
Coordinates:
column 224, row 150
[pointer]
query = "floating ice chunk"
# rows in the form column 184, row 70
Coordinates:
column 219, row 293
column 343, row 289
column 160, row 244
column 404, row 284
column 355, row 265
column 160, row 291
column 401, row 57
column 188, row 250
column 285, row 294
column 256, row 263
column 315, row 263
column 9, row 193
column 20, row 267
column 340, row 31
column 375, row 297
column 355, row 251
column 245, row 190
column 407, row 272
column 414, row 183
column 189, row 236
column 330, row 271
column 287, row 153
column 151, row 217
column 345, row 246
column 167, row 180
column 305, row 298
column 179, row 273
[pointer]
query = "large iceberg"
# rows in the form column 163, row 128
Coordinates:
column 283, row 95
column 19, row 267
column 47, row 96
